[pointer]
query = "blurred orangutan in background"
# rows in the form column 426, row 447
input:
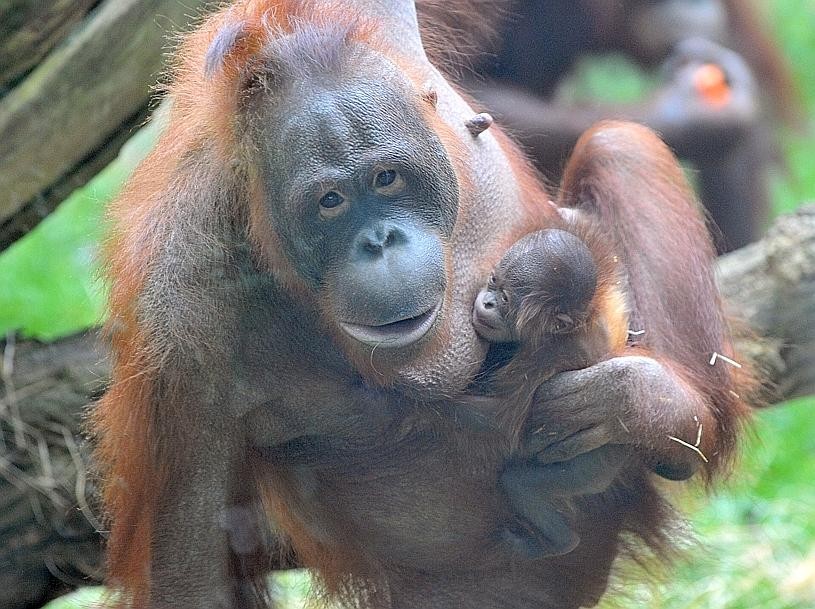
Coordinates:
column 709, row 109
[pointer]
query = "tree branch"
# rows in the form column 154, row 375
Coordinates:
column 70, row 115
column 771, row 284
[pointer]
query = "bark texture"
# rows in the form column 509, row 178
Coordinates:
column 74, row 84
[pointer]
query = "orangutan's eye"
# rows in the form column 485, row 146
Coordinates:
column 388, row 182
column 332, row 204
column 331, row 199
column 385, row 178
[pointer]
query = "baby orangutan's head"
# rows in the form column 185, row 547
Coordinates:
column 544, row 285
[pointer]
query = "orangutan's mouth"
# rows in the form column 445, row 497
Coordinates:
column 396, row 334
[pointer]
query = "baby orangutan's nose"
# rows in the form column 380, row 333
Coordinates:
column 488, row 318
column 486, row 299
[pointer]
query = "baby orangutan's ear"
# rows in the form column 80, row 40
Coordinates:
column 564, row 323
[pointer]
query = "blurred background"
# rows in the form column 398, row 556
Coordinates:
column 751, row 545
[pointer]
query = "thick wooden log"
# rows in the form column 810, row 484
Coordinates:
column 31, row 214
column 48, row 515
column 771, row 285
column 70, row 115
column 29, row 30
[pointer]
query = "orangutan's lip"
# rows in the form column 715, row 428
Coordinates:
column 481, row 324
column 396, row 334
column 488, row 331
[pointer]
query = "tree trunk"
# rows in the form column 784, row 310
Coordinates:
column 771, row 286
column 67, row 118
column 48, row 512
column 29, row 30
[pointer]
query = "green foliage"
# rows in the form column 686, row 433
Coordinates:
column 51, row 289
column 794, row 25
column 50, row 278
column 795, row 182
column 292, row 590
column 613, row 78
column 794, row 22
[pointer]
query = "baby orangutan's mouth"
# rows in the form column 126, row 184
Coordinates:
column 395, row 334
column 487, row 330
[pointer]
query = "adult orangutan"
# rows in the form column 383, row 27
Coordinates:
column 293, row 271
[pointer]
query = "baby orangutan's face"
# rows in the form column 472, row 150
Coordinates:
column 491, row 312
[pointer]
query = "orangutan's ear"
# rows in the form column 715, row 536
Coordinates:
column 229, row 39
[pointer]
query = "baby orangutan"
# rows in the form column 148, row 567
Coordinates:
column 556, row 301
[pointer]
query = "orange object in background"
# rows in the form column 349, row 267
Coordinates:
column 711, row 83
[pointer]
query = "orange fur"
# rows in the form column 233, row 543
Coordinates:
column 684, row 327
column 197, row 173
column 202, row 110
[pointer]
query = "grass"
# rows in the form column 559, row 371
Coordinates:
column 756, row 547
